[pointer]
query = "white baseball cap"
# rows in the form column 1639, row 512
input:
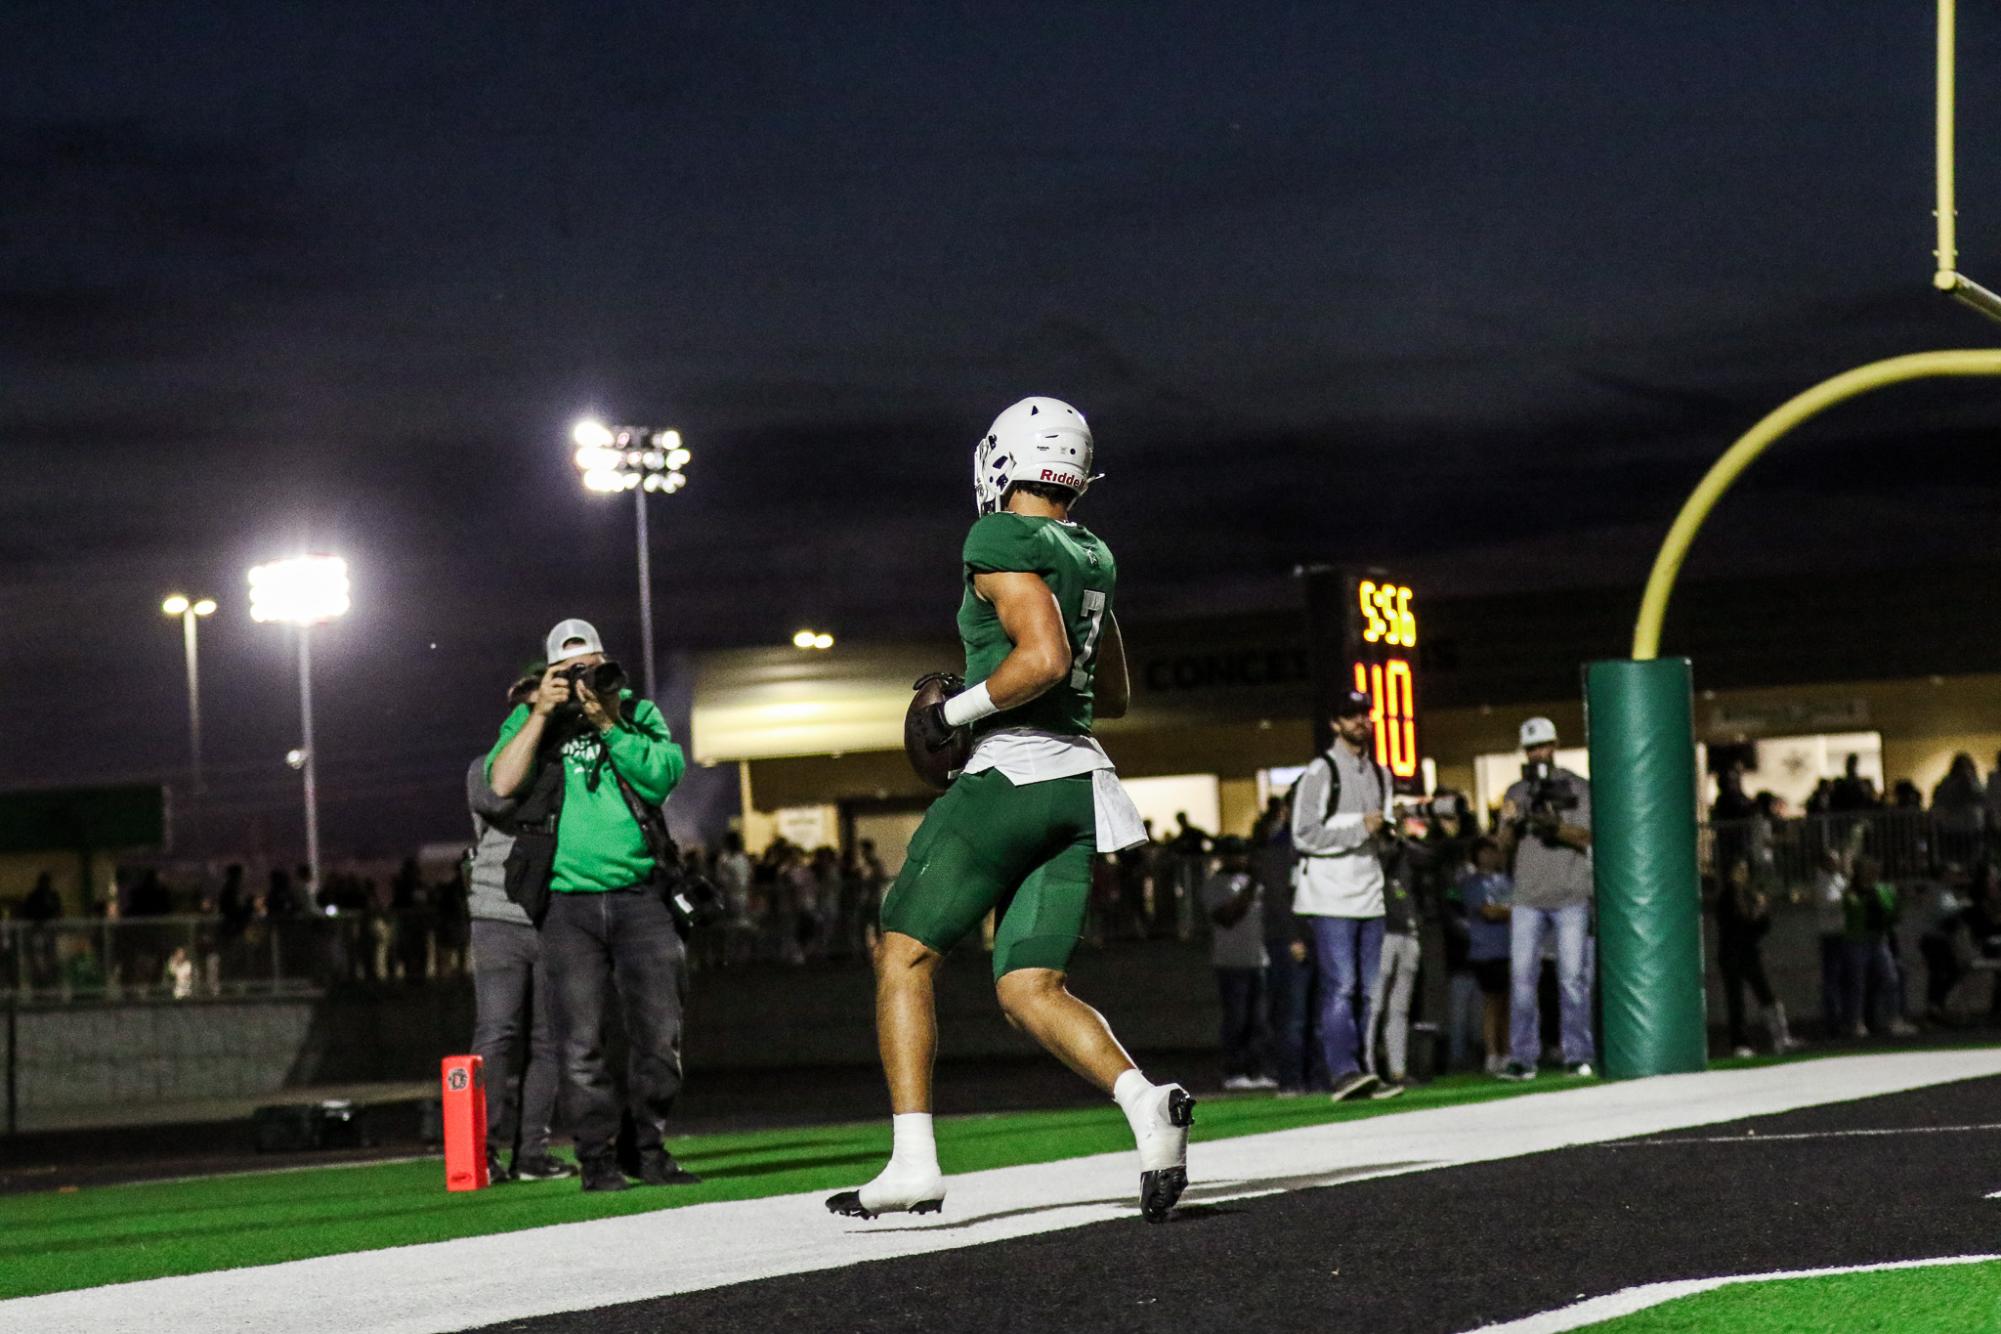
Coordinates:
column 1535, row 732
column 572, row 639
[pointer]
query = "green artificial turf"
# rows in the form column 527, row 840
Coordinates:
column 1940, row 1299
column 53, row 1241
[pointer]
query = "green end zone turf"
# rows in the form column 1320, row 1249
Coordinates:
column 1940, row 1297
column 51, row 1242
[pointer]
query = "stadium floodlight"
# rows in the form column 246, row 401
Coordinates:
column 303, row 591
column 812, row 639
column 644, row 461
column 191, row 610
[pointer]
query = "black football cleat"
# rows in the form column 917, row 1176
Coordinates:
column 849, row 1205
column 1160, row 1191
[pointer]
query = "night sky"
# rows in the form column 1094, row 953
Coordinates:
column 1473, row 289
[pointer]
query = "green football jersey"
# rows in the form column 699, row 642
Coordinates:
column 1079, row 571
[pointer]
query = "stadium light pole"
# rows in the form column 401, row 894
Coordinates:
column 643, row 461
column 303, row 591
column 190, row 610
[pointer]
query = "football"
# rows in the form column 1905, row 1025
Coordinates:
column 935, row 767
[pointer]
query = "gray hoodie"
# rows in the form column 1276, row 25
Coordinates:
column 486, row 894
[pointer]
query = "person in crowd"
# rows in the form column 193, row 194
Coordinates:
column 1341, row 806
column 40, row 911
column 1396, row 972
column 1232, row 900
column 1967, row 928
column 1188, row 860
column 1288, row 955
column 1485, row 893
column 1546, row 826
column 1830, row 899
column 1959, row 813
column 180, row 973
column 512, row 1031
column 410, row 899
column 1853, row 791
column 588, row 766
column 1871, row 913
column 1743, row 917
column 1993, row 790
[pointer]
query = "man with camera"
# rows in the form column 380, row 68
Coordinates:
column 1546, row 827
column 588, row 766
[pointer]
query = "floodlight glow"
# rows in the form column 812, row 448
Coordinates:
column 174, row 605
column 631, row 480
column 591, row 434
column 303, row 590
column 296, row 758
column 823, row 641
column 804, row 639
column 678, row 457
column 206, row 607
column 603, row 479
column 593, row 457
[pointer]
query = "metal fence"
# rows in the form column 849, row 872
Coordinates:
column 1786, row 855
column 181, row 958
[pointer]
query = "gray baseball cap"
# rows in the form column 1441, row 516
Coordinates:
column 572, row 639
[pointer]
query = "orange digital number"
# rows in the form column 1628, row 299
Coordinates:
column 1374, row 628
column 1392, row 714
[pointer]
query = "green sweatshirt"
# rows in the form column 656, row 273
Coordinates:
column 598, row 843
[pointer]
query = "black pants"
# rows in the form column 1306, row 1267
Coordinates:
column 595, row 945
column 510, row 989
column 1241, row 991
column 1742, row 965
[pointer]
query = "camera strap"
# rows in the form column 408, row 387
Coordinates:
column 652, row 824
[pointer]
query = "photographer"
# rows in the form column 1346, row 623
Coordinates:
column 589, row 765
column 1546, row 826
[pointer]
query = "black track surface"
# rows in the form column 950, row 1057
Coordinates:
column 1443, row 1250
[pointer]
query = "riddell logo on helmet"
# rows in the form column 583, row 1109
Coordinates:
column 1061, row 478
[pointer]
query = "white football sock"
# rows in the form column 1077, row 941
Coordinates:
column 1135, row 1097
column 912, row 1175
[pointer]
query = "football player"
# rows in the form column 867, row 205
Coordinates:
column 1015, row 832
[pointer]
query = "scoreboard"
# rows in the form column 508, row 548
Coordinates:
column 1381, row 650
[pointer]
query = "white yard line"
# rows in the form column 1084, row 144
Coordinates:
column 1755, row 1138
column 1626, row 1302
column 577, row 1266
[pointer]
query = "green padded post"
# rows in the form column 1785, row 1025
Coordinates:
column 1641, row 721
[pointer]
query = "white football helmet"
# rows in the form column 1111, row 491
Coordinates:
column 1036, row 440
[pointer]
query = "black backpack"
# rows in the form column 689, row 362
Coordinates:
column 1334, row 783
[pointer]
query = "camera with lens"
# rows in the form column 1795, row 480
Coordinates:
column 602, row 679
column 1548, row 798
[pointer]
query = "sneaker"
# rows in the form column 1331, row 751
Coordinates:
column 1351, row 1085
column 1496, row 1064
column 1742, row 1053
column 602, row 1174
column 1517, row 1072
column 1239, row 1083
column 542, row 1167
column 1581, row 1069
column 1902, row 1028
column 496, row 1173
column 658, row 1168
column 1392, row 1087
column 1291, row 1091
column 1263, row 1082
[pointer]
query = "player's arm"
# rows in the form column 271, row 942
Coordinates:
column 1111, row 688
column 1028, row 612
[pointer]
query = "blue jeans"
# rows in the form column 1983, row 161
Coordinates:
column 1242, row 993
column 1874, row 998
column 1527, row 928
column 1346, row 954
column 1287, row 984
column 1834, row 1015
column 620, row 944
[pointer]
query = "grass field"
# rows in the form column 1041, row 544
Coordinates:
column 1944, row 1299
column 55, row 1241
